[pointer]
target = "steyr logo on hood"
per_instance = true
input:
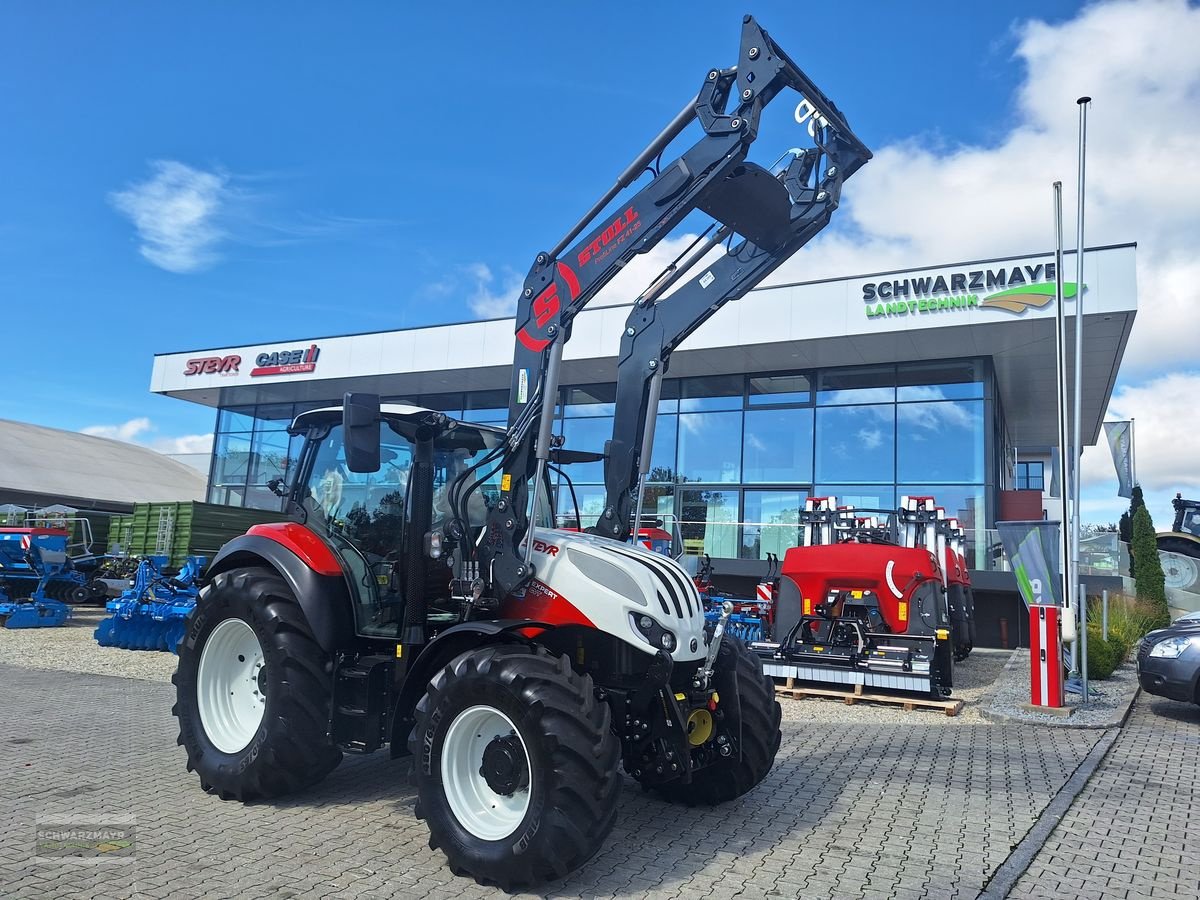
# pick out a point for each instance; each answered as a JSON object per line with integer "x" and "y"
{"x": 286, "y": 362}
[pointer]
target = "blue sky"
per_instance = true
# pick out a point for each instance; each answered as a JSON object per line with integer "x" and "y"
{"x": 366, "y": 166}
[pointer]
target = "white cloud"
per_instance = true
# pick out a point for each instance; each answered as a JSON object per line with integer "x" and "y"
{"x": 1166, "y": 439}
{"x": 1166, "y": 447}
{"x": 176, "y": 213}
{"x": 142, "y": 431}
{"x": 493, "y": 295}
{"x": 185, "y": 443}
{"x": 125, "y": 431}
{"x": 489, "y": 295}
{"x": 870, "y": 438}
{"x": 184, "y": 215}
{"x": 922, "y": 202}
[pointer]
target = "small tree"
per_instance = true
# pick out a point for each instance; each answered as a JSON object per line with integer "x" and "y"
{"x": 1149, "y": 580}
{"x": 1125, "y": 527}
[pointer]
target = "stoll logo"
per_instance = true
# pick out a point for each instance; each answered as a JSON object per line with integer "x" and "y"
{"x": 1013, "y": 290}
{"x": 286, "y": 362}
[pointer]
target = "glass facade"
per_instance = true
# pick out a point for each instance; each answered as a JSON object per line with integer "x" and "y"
{"x": 734, "y": 455}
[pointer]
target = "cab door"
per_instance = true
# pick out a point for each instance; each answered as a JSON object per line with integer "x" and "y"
{"x": 362, "y": 516}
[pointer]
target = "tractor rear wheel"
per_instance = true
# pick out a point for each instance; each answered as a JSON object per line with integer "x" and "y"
{"x": 1182, "y": 572}
{"x": 253, "y": 690}
{"x": 515, "y": 766}
{"x": 753, "y": 720}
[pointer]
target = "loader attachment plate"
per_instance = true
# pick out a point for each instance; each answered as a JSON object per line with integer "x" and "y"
{"x": 872, "y": 659}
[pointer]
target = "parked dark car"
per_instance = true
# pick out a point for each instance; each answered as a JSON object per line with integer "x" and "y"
{"x": 1168, "y": 661}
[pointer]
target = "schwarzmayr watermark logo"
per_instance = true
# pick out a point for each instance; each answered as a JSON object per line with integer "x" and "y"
{"x": 84, "y": 840}
{"x": 1013, "y": 290}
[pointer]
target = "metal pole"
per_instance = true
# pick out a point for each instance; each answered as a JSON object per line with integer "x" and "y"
{"x": 655, "y": 392}
{"x": 1077, "y": 445}
{"x": 1132, "y": 454}
{"x": 1060, "y": 354}
{"x": 1104, "y": 615}
{"x": 1083, "y": 666}
{"x": 545, "y": 429}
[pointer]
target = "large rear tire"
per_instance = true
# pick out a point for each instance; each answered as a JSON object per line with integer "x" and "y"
{"x": 253, "y": 690}
{"x": 515, "y": 766}
{"x": 755, "y": 716}
{"x": 1182, "y": 572}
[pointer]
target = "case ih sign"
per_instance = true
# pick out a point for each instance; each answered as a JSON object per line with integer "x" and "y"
{"x": 279, "y": 362}
{"x": 286, "y": 362}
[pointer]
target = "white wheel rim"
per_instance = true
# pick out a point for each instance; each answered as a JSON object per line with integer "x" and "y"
{"x": 228, "y": 695}
{"x": 483, "y": 812}
{"x": 1181, "y": 572}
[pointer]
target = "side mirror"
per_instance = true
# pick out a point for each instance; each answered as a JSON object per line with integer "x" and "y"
{"x": 360, "y": 427}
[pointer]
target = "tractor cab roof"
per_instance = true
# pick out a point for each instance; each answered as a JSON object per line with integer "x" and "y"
{"x": 405, "y": 419}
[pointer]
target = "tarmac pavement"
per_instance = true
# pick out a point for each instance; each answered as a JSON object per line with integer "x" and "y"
{"x": 850, "y": 810}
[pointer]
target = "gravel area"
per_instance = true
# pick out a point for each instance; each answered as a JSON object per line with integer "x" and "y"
{"x": 73, "y": 648}
{"x": 1108, "y": 704}
{"x": 972, "y": 680}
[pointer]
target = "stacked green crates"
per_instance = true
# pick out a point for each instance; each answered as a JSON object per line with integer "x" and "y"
{"x": 195, "y": 529}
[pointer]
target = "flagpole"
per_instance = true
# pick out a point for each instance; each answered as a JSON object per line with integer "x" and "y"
{"x": 1060, "y": 361}
{"x": 1077, "y": 449}
{"x": 1132, "y": 454}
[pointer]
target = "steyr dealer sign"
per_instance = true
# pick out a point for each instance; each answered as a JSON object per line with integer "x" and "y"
{"x": 1011, "y": 289}
{"x": 278, "y": 362}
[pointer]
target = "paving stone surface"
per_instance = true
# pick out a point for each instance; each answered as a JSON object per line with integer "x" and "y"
{"x": 850, "y": 810}
{"x": 1134, "y": 831}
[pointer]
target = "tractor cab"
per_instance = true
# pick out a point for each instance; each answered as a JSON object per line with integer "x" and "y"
{"x": 1187, "y": 516}
{"x": 388, "y": 527}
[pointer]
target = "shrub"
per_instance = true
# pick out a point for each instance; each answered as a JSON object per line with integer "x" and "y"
{"x": 1128, "y": 618}
{"x": 1103, "y": 656}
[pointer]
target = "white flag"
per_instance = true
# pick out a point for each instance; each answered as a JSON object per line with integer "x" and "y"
{"x": 1120, "y": 440}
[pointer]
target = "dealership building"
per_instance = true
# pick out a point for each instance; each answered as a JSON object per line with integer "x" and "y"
{"x": 930, "y": 381}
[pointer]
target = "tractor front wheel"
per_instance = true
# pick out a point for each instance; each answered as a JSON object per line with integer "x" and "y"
{"x": 515, "y": 766}
{"x": 751, "y": 715}
{"x": 253, "y": 690}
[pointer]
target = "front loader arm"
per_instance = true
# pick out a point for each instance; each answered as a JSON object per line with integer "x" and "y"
{"x": 787, "y": 212}
{"x": 564, "y": 279}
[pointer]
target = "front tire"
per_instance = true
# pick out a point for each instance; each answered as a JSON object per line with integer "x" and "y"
{"x": 515, "y": 766}
{"x": 755, "y": 716}
{"x": 253, "y": 690}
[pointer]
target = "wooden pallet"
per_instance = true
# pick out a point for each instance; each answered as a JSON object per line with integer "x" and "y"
{"x": 850, "y": 697}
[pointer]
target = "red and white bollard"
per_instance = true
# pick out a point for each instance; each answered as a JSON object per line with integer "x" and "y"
{"x": 1045, "y": 650}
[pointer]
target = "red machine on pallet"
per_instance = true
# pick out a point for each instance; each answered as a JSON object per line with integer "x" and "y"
{"x": 959, "y": 593}
{"x": 863, "y": 602}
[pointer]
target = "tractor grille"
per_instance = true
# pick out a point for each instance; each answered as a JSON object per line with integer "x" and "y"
{"x": 676, "y": 594}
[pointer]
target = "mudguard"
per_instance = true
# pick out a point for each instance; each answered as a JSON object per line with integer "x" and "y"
{"x": 325, "y": 599}
{"x": 446, "y": 646}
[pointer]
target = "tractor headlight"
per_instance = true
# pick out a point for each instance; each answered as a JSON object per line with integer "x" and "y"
{"x": 1172, "y": 648}
{"x": 653, "y": 633}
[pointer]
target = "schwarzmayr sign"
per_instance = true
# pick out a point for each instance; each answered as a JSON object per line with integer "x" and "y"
{"x": 1013, "y": 289}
